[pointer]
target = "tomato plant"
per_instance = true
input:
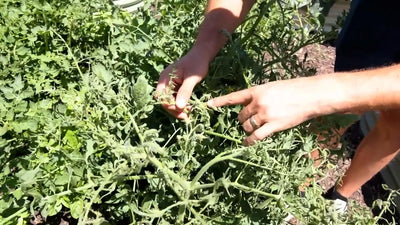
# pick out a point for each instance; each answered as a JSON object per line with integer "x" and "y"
{"x": 81, "y": 133}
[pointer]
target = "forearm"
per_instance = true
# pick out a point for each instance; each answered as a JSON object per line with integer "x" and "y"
{"x": 377, "y": 89}
{"x": 220, "y": 15}
{"x": 378, "y": 148}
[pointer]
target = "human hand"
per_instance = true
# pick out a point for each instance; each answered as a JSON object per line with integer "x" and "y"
{"x": 185, "y": 73}
{"x": 274, "y": 107}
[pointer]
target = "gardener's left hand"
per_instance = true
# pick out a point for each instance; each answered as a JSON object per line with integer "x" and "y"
{"x": 275, "y": 106}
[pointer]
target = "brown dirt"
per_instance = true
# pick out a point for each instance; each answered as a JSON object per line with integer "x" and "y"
{"x": 321, "y": 57}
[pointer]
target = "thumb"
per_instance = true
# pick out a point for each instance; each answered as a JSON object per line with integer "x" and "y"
{"x": 185, "y": 91}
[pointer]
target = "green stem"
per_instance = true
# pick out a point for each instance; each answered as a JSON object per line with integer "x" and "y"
{"x": 181, "y": 215}
{"x": 151, "y": 40}
{"x": 264, "y": 8}
{"x": 4, "y": 221}
{"x": 249, "y": 189}
{"x": 79, "y": 189}
{"x": 93, "y": 197}
{"x": 46, "y": 36}
{"x": 141, "y": 177}
{"x": 222, "y": 136}
{"x": 136, "y": 127}
{"x": 88, "y": 186}
{"x": 203, "y": 186}
{"x": 254, "y": 165}
{"x": 216, "y": 160}
{"x": 168, "y": 172}
{"x": 70, "y": 52}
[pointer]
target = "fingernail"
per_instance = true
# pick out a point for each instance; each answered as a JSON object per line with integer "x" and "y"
{"x": 210, "y": 103}
{"x": 180, "y": 103}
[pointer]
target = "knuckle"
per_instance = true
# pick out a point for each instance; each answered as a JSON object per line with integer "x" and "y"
{"x": 257, "y": 136}
{"x": 240, "y": 118}
{"x": 229, "y": 99}
{"x": 247, "y": 127}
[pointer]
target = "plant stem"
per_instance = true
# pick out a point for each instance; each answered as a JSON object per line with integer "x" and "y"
{"x": 135, "y": 126}
{"x": 168, "y": 172}
{"x": 70, "y": 52}
{"x": 141, "y": 177}
{"x": 4, "y": 221}
{"x": 254, "y": 165}
{"x": 222, "y": 136}
{"x": 203, "y": 186}
{"x": 264, "y": 8}
{"x": 82, "y": 188}
{"x": 249, "y": 189}
{"x": 216, "y": 160}
{"x": 88, "y": 186}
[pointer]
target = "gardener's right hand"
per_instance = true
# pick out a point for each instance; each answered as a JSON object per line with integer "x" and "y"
{"x": 185, "y": 74}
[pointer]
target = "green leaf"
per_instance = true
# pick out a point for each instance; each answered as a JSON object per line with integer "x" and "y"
{"x": 3, "y": 129}
{"x": 62, "y": 179}
{"x": 28, "y": 176}
{"x": 71, "y": 139}
{"x": 142, "y": 92}
{"x": 100, "y": 71}
{"x": 76, "y": 208}
{"x": 26, "y": 124}
{"x": 18, "y": 194}
{"x": 89, "y": 150}
{"x": 21, "y": 107}
{"x": 18, "y": 84}
{"x": 8, "y": 92}
{"x": 3, "y": 60}
{"x": 22, "y": 51}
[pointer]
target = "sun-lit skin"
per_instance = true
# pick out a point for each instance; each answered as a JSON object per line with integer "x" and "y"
{"x": 193, "y": 67}
{"x": 281, "y": 105}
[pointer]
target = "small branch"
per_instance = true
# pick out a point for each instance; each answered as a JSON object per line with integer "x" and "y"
{"x": 222, "y": 136}
{"x": 5, "y": 220}
{"x": 256, "y": 191}
{"x": 216, "y": 160}
{"x": 70, "y": 52}
{"x": 136, "y": 127}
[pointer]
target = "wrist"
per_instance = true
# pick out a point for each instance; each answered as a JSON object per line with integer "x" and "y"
{"x": 204, "y": 52}
{"x": 210, "y": 40}
{"x": 331, "y": 95}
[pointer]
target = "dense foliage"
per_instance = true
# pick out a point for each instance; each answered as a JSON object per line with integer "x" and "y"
{"x": 81, "y": 133}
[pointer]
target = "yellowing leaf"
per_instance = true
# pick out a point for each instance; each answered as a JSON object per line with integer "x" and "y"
{"x": 71, "y": 139}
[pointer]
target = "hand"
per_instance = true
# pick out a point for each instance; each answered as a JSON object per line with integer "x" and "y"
{"x": 275, "y": 106}
{"x": 186, "y": 73}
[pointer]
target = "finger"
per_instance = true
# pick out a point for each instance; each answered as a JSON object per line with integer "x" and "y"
{"x": 246, "y": 113}
{"x": 163, "y": 81}
{"x": 242, "y": 97}
{"x": 182, "y": 116}
{"x": 185, "y": 91}
{"x": 262, "y": 132}
{"x": 249, "y": 128}
{"x": 179, "y": 114}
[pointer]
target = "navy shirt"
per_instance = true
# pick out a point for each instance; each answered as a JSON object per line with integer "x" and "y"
{"x": 370, "y": 37}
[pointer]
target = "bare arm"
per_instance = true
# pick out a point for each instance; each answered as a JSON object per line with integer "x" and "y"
{"x": 280, "y": 105}
{"x": 377, "y": 89}
{"x": 220, "y": 15}
{"x": 193, "y": 67}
